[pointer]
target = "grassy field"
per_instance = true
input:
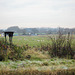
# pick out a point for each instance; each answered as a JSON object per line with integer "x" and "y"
{"x": 30, "y": 40}
{"x": 40, "y": 62}
{"x": 33, "y": 40}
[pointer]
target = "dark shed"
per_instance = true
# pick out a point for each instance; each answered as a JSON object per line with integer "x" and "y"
{"x": 10, "y": 34}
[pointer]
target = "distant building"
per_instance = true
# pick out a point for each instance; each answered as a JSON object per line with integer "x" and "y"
{"x": 16, "y": 34}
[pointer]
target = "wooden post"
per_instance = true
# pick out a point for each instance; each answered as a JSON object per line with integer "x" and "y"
{"x": 10, "y": 37}
{"x": 5, "y": 37}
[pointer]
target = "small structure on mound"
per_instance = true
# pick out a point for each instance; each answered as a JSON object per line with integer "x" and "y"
{"x": 10, "y": 34}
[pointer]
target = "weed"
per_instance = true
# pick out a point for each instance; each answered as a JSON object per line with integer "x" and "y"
{"x": 63, "y": 62}
{"x": 45, "y": 64}
{"x": 52, "y": 59}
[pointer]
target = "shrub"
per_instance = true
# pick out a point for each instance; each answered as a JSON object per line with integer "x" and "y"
{"x": 45, "y": 47}
{"x": 3, "y": 50}
{"x": 12, "y": 52}
{"x": 61, "y": 46}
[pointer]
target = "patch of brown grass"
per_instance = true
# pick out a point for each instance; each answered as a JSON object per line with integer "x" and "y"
{"x": 31, "y": 71}
{"x": 36, "y": 54}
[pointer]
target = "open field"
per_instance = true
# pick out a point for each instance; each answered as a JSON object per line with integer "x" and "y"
{"x": 34, "y": 40}
{"x": 30, "y": 40}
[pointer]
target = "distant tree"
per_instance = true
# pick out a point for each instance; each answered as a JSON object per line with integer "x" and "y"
{"x": 1, "y": 31}
{"x": 34, "y": 30}
{"x": 24, "y": 31}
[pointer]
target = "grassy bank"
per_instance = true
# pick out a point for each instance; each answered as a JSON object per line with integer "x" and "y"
{"x": 39, "y": 63}
{"x": 36, "y": 72}
{"x": 53, "y": 66}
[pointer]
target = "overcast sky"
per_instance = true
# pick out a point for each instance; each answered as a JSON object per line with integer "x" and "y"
{"x": 37, "y": 13}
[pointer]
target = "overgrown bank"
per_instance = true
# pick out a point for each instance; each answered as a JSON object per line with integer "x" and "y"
{"x": 36, "y": 72}
{"x": 25, "y": 60}
{"x": 52, "y": 66}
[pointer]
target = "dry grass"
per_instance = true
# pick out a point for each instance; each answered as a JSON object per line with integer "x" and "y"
{"x": 36, "y": 54}
{"x": 51, "y": 66}
{"x": 32, "y": 71}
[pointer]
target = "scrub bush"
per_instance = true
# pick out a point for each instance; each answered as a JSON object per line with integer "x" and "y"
{"x": 61, "y": 46}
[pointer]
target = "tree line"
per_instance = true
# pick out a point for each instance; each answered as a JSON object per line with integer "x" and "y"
{"x": 39, "y": 31}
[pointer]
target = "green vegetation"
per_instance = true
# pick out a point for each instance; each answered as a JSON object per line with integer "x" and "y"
{"x": 38, "y": 67}
{"x": 61, "y": 46}
{"x": 30, "y": 40}
{"x": 31, "y": 55}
